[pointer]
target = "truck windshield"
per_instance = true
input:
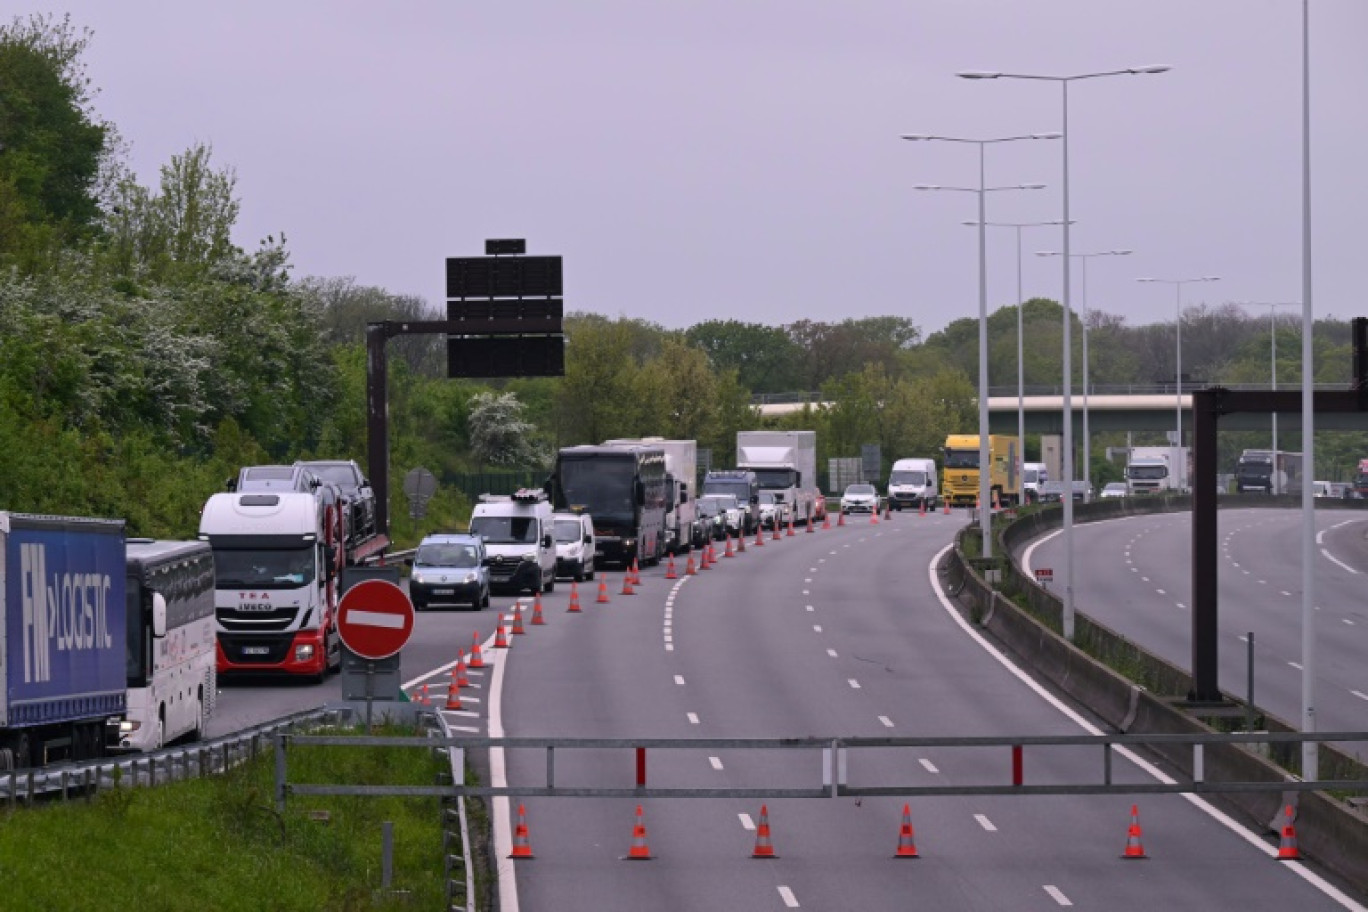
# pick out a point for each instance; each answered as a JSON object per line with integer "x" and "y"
{"x": 1030, "y": 476}
{"x": 961, "y": 459}
{"x": 568, "y": 530}
{"x": 907, "y": 478}
{"x": 604, "y": 488}
{"x": 283, "y": 569}
{"x": 447, "y": 554}
{"x": 1148, "y": 472}
{"x": 739, "y": 488}
{"x": 505, "y": 530}
{"x": 776, "y": 478}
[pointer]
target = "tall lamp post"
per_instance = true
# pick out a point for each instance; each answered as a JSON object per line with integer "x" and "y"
{"x": 985, "y": 488}
{"x": 1273, "y": 361}
{"x": 1068, "y": 614}
{"x": 1021, "y": 302}
{"x": 1083, "y": 261}
{"x": 1178, "y": 374}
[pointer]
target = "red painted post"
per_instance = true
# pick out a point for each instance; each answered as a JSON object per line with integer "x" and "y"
{"x": 1016, "y": 764}
{"x": 641, "y": 767}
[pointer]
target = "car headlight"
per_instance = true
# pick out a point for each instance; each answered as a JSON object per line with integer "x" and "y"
{"x": 419, "y": 579}
{"x": 530, "y": 556}
{"x": 472, "y": 577}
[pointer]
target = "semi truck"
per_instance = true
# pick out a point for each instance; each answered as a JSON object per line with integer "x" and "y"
{"x": 63, "y": 687}
{"x": 278, "y": 561}
{"x": 683, "y": 531}
{"x": 1269, "y": 472}
{"x": 784, "y": 463}
{"x": 960, "y": 469}
{"x": 1156, "y": 469}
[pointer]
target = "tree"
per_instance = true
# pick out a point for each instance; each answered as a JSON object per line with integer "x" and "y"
{"x": 498, "y": 434}
{"x": 765, "y": 358}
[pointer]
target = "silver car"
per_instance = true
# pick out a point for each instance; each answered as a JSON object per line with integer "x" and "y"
{"x": 860, "y": 498}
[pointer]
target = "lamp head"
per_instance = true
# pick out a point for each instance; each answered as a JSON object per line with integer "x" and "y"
{"x": 978, "y": 74}
{"x": 1154, "y": 68}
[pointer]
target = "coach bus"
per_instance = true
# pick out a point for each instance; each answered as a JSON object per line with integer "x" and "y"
{"x": 624, "y": 489}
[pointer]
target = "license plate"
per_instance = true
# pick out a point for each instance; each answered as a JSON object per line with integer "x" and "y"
{"x": 443, "y": 591}
{"x": 256, "y": 650}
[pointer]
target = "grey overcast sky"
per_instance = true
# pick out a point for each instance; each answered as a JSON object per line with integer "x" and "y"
{"x": 742, "y": 159}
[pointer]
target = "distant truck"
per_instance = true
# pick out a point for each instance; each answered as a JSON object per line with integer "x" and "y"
{"x": 1269, "y": 472}
{"x": 63, "y": 601}
{"x": 912, "y": 484}
{"x": 960, "y": 481}
{"x": 1156, "y": 469}
{"x": 784, "y": 463}
{"x": 1033, "y": 475}
{"x": 744, "y": 486}
{"x": 278, "y": 560}
{"x": 683, "y": 531}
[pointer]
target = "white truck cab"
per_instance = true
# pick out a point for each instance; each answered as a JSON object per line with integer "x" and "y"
{"x": 911, "y": 483}
{"x": 517, "y": 531}
{"x": 1033, "y": 475}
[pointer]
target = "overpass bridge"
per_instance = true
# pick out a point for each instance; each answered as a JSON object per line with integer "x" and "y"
{"x": 1131, "y": 408}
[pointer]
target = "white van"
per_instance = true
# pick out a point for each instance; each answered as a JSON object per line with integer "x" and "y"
{"x": 517, "y": 531}
{"x": 574, "y": 545}
{"x": 911, "y": 483}
{"x": 1033, "y": 475}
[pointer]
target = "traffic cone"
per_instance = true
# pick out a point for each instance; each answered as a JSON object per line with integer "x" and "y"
{"x": 521, "y": 847}
{"x": 636, "y": 574}
{"x": 729, "y": 552}
{"x": 453, "y": 700}
{"x": 703, "y": 562}
{"x": 537, "y": 619}
{"x": 461, "y": 679}
{"x": 874, "y": 517}
{"x": 517, "y": 619}
{"x": 603, "y": 591}
{"x": 1287, "y": 844}
{"x": 947, "y": 506}
{"x": 841, "y": 521}
{"x": 423, "y": 698}
{"x": 759, "y": 536}
{"x": 826, "y": 520}
{"x": 763, "y": 848}
{"x": 811, "y": 524}
{"x": 689, "y": 567}
{"x": 639, "y": 850}
{"x": 777, "y": 532}
{"x": 740, "y": 543}
{"x": 500, "y": 641}
{"x": 574, "y": 600}
{"x": 790, "y": 531}
{"x": 627, "y": 584}
{"x": 922, "y": 511}
{"x": 907, "y": 848}
{"x": 670, "y": 569}
{"x": 476, "y": 660}
{"x": 1134, "y": 848}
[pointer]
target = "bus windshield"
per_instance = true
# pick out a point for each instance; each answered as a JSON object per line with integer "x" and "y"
{"x": 604, "y": 488}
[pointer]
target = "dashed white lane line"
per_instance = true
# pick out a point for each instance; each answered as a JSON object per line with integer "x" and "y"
{"x": 985, "y": 822}
{"x": 716, "y": 762}
{"x": 832, "y": 653}
{"x": 817, "y": 628}
{"x": 1057, "y": 895}
{"x": 746, "y": 822}
{"x": 1295, "y": 665}
{"x": 1161, "y": 591}
{"x": 1360, "y": 694}
{"x": 693, "y": 718}
{"x": 809, "y": 608}
{"x": 787, "y": 896}
{"x": 887, "y": 722}
{"x": 928, "y": 765}
{"x": 1285, "y": 592}
{"x": 854, "y": 684}
{"x": 679, "y": 679}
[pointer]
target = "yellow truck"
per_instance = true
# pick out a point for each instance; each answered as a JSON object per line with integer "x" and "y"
{"x": 960, "y": 470}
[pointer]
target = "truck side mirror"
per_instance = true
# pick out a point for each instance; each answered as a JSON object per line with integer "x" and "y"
{"x": 546, "y": 540}
{"x": 158, "y": 615}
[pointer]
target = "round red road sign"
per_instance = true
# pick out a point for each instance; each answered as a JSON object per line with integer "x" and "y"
{"x": 375, "y": 619}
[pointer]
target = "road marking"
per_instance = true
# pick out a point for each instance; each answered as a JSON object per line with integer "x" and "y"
{"x": 746, "y": 822}
{"x": 1285, "y": 592}
{"x": 374, "y": 619}
{"x": 807, "y": 592}
{"x": 716, "y": 762}
{"x": 810, "y": 608}
{"x": 1347, "y": 621}
{"x": 1058, "y": 895}
{"x": 887, "y": 722}
{"x": 812, "y": 569}
{"x": 1181, "y": 605}
{"x": 1161, "y": 591}
{"x": 1295, "y": 665}
{"x": 854, "y": 684}
{"x": 807, "y": 579}
{"x": 787, "y": 896}
{"x": 928, "y": 765}
{"x": 832, "y": 653}
{"x": 469, "y": 729}
{"x": 985, "y": 822}
{"x": 1339, "y": 563}
{"x": 679, "y": 679}
{"x": 817, "y": 628}
{"x": 693, "y": 718}
{"x": 1360, "y": 694}
{"x": 1263, "y": 582}
{"x": 462, "y": 712}
{"x": 1144, "y": 579}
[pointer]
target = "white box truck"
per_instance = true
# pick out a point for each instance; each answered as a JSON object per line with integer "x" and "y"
{"x": 785, "y": 463}
{"x": 1156, "y": 469}
{"x": 682, "y": 529}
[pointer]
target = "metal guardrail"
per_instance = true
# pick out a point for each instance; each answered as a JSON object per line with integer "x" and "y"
{"x": 833, "y": 753}
{"x": 1046, "y": 389}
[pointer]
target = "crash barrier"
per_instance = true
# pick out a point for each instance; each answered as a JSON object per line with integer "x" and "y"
{"x": 1151, "y": 695}
{"x": 63, "y": 781}
{"x": 831, "y": 763}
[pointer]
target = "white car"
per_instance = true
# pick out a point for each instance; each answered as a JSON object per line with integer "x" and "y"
{"x": 574, "y": 533}
{"x": 772, "y": 510}
{"x": 1114, "y": 489}
{"x": 723, "y": 514}
{"x": 860, "y": 498}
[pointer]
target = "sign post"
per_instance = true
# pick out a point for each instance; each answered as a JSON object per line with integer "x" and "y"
{"x": 1044, "y": 575}
{"x": 374, "y": 621}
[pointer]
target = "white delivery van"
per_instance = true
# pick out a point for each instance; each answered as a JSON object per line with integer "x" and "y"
{"x": 519, "y": 547}
{"x": 1033, "y": 475}
{"x": 911, "y": 483}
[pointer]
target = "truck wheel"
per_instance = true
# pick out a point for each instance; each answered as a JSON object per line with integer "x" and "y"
{"x": 550, "y": 584}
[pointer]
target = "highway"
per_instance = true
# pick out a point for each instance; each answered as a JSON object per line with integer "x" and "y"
{"x": 1134, "y": 575}
{"x": 836, "y": 632}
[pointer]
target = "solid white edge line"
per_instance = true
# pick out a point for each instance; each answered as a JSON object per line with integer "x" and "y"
{"x": 498, "y": 777}
{"x": 1196, "y": 801}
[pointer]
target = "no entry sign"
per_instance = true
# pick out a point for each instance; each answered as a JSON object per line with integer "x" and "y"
{"x": 375, "y": 619}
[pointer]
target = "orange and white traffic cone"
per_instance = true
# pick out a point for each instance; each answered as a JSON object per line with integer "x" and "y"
{"x": 1134, "y": 847}
{"x": 574, "y": 600}
{"x": 521, "y": 847}
{"x": 790, "y": 528}
{"x": 453, "y": 700}
{"x": 922, "y": 511}
{"x": 759, "y": 536}
{"x": 500, "y": 641}
{"x": 476, "y": 659}
{"x": 947, "y": 506}
{"x": 840, "y": 523}
{"x": 729, "y": 552}
{"x": 874, "y": 516}
{"x": 517, "y": 619}
{"x": 763, "y": 847}
{"x": 423, "y": 698}
{"x": 670, "y": 569}
{"x": 689, "y": 569}
{"x": 461, "y": 679}
{"x": 777, "y": 531}
{"x": 639, "y": 850}
{"x": 907, "y": 847}
{"x": 537, "y": 619}
{"x": 636, "y": 574}
{"x": 1287, "y": 841}
{"x": 627, "y": 584}
{"x": 603, "y": 591}
{"x": 826, "y": 520}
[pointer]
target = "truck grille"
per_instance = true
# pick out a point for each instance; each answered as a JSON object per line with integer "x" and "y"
{"x": 275, "y": 620}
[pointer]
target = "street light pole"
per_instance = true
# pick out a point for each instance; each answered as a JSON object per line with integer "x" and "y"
{"x": 1021, "y": 306}
{"x": 1178, "y": 376}
{"x": 985, "y": 486}
{"x": 1083, "y": 261}
{"x": 1068, "y": 614}
{"x": 1273, "y": 363}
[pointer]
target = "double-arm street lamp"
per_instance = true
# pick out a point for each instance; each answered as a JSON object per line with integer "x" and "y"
{"x": 1063, "y": 81}
{"x": 1021, "y": 306}
{"x": 1178, "y": 374}
{"x": 985, "y": 488}
{"x": 1083, "y": 261}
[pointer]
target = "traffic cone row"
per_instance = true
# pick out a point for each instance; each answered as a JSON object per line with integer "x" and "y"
{"x": 453, "y": 700}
